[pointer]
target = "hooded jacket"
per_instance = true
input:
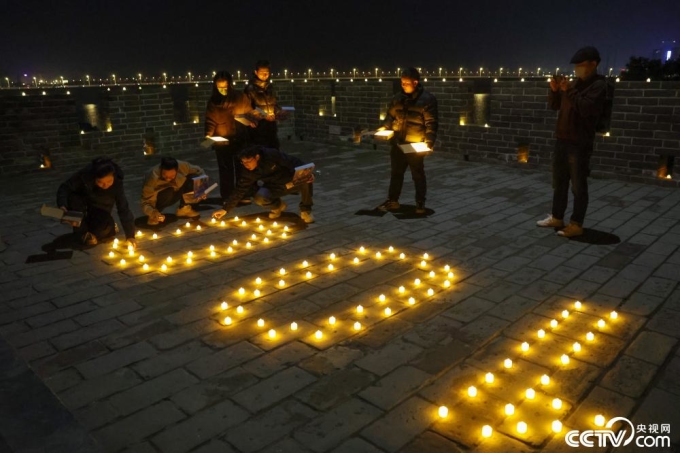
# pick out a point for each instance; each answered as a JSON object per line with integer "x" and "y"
{"x": 82, "y": 183}
{"x": 413, "y": 117}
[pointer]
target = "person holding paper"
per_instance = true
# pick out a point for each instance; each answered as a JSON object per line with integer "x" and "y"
{"x": 413, "y": 117}
{"x": 276, "y": 170}
{"x": 165, "y": 184}
{"x": 94, "y": 190}
{"x": 261, "y": 94}
{"x": 228, "y": 115}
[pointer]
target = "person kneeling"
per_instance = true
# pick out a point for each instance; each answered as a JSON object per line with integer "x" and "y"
{"x": 165, "y": 184}
{"x": 275, "y": 169}
{"x": 94, "y": 190}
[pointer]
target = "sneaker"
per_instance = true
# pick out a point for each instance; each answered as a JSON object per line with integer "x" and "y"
{"x": 187, "y": 211}
{"x": 307, "y": 216}
{"x": 276, "y": 212}
{"x": 571, "y": 230}
{"x": 420, "y": 207}
{"x": 389, "y": 205}
{"x": 89, "y": 239}
{"x": 550, "y": 222}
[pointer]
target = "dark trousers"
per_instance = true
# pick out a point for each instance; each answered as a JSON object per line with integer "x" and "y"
{"x": 169, "y": 196}
{"x": 570, "y": 164}
{"x": 400, "y": 162}
{"x": 96, "y": 221}
{"x": 228, "y": 166}
{"x": 270, "y": 196}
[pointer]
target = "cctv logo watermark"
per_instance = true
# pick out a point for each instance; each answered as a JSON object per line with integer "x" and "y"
{"x": 647, "y": 435}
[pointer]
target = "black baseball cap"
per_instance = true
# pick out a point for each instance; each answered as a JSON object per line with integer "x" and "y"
{"x": 588, "y": 53}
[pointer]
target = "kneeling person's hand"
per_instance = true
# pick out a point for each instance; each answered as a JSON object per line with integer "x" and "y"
{"x": 219, "y": 214}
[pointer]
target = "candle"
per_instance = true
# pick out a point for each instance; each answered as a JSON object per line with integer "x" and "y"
{"x": 447, "y": 268}
{"x": 284, "y": 235}
{"x": 447, "y": 283}
{"x": 487, "y": 431}
{"x": 261, "y": 227}
{"x": 388, "y": 311}
{"x": 253, "y": 236}
{"x": 331, "y": 320}
{"x": 115, "y": 241}
{"x": 189, "y": 260}
{"x": 266, "y": 240}
{"x": 145, "y": 267}
{"x": 601, "y": 324}
{"x": 242, "y": 291}
{"x": 213, "y": 220}
{"x": 234, "y": 242}
{"x": 330, "y": 267}
{"x": 260, "y": 322}
{"x": 229, "y": 249}
{"x": 530, "y": 394}
{"x": 378, "y": 254}
{"x": 111, "y": 254}
{"x": 357, "y": 325}
{"x": 489, "y": 378}
{"x": 282, "y": 271}
{"x": 557, "y": 404}
{"x": 198, "y": 227}
{"x": 258, "y": 281}
{"x": 577, "y": 347}
{"x": 272, "y": 333}
{"x": 565, "y": 359}
{"x": 178, "y": 231}
{"x": 227, "y": 321}
{"x": 545, "y": 379}
{"x": 541, "y": 333}
{"x": 402, "y": 289}
{"x": 332, "y": 256}
{"x": 285, "y": 228}
{"x": 430, "y": 292}
{"x": 282, "y": 283}
{"x": 223, "y": 223}
{"x": 507, "y": 363}
{"x": 224, "y": 305}
{"x": 450, "y": 275}
{"x": 578, "y": 305}
{"x": 599, "y": 420}
{"x": 472, "y": 391}
{"x": 362, "y": 249}
{"x": 275, "y": 224}
{"x": 416, "y": 281}
{"x": 115, "y": 245}
{"x": 590, "y": 336}
{"x": 360, "y": 309}
{"x": 308, "y": 274}
{"x": 248, "y": 245}
{"x": 521, "y": 427}
{"x": 565, "y": 314}
{"x": 257, "y": 293}
{"x": 525, "y": 346}
{"x": 164, "y": 267}
{"x": 236, "y": 218}
{"x": 425, "y": 256}
{"x": 356, "y": 260}
{"x": 187, "y": 224}
{"x": 509, "y": 409}
{"x": 243, "y": 223}
{"x": 553, "y": 323}
{"x": 269, "y": 232}
{"x": 293, "y": 326}
{"x": 557, "y": 426}
{"x": 402, "y": 256}
{"x": 122, "y": 262}
{"x": 190, "y": 254}
{"x": 613, "y": 315}
{"x": 154, "y": 236}
{"x": 423, "y": 263}
{"x": 258, "y": 220}
{"x": 305, "y": 264}
{"x": 391, "y": 249}
{"x": 212, "y": 248}
{"x": 411, "y": 301}
{"x": 443, "y": 411}
{"x": 318, "y": 334}
{"x": 139, "y": 233}
{"x": 432, "y": 274}
{"x": 381, "y": 298}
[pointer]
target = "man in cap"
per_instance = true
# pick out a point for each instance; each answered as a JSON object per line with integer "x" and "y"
{"x": 580, "y": 104}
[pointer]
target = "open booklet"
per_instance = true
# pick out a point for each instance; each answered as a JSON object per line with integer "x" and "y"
{"x": 201, "y": 189}
{"x": 68, "y": 216}
{"x": 383, "y": 135}
{"x": 208, "y": 142}
{"x": 303, "y": 173}
{"x": 420, "y": 147}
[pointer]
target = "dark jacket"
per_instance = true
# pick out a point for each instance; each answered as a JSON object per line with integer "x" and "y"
{"x": 220, "y": 115}
{"x": 413, "y": 117}
{"x": 261, "y": 95}
{"x": 82, "y": 183}
{"x": 275, "y": 168}
{"x": 580, "y": 108}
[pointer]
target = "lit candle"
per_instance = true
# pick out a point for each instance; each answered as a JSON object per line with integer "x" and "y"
{"x": 509, "y": 409}
{"x": 356, "y": 260}
{"x": 330, "y": 267}
{"x": 224, "y": 305}
{"x": 599, "y": 420}
{"x": 590, "y": 336}
{"x": 164, "y": 267}
{"x": 402, "y": 256}
{"x": 145, "y": 267}
{"x": 402, "y": 289}
{"x": 391, "y": 249}
{"x": 578, "y": 305}
{"x": 115, "y": 241}
{"x": 257, "y": 293}
{"x": 234, "y": 242}
{"x": 487, "y": 431}
{"x": 411, "y": 301}
{"x": 489, "y": 378}
{"x": 450, "y": 275}
{"x": 545, "y": 379}
{"x": 525, "y": 346}
{"x": 253, "y": 236}
{"x": 378, "y": 254}
{"x": 360, "y": 309}
{"x": 423, "y": 263}
{"x": 275, "y": 224}
{"x": 577, "y": 347}
{"x": 447, "y": 268}
{"x": 187, "y": 224}
{"x": 601, "y": 324}
{"x": 472, "y": 391}
{"x": 362, "y": 249}
{"x": 229, "y": 249}
{"x": 285, "y": 228}
{"x": 190, "y": 254}
{"x": 189, "y": 260}
{"x": 284, "y": 235}
{"x": 565, "y": 314}
{"x": 212, "y": 248}
{"x": 557, "y": 426}
{"x": 122, "y": 262}
{"x": 178, "y": 231}
{"x": 357, "y": 325}
{"x": 430, "y": 292}
{"x": 507, "y": 363}
{"x": 236, "y": 218}
{"x": 139, "y": 233}
{"x": 388, "y": 311}
{"x": 111, "y": 254}
{"x": 416, "y": 281}
{"x": 248, "y": 245}
{"x": 521, "y": 427}
{"x": 258, "y": 281}
{"x": 305, "y": 264}
{"x": 293, "y": 326}
{"x": 318, "y": 334}
{"x": 381, "y": 298}
{"x": 447, "y": 283}
{"x": 557, "y": 404}
{"x": 243, "y": 223}
{"x": 541, "y": 333}
{"x": 227, "y": 321}
{"x": 553, "y": 323}
{"x": 282, "y": 283}
{"x": 331, "y": 320}
{"x": 272, "y": 333}
{"x": 169, "y": 259}
{"x": 613, "y": 315}
{"x": 432, "y": 274}
{"x": 425, "y": 256}
{"x": 213, "y": 220}
{"x": 261, "y": 227}
{"x": 198, "y": 227}
{"x": 530, "y": 394}
{"x": 443, "y": 411}
{"x": 223, "y": 223}
{"x": 260, "y": 322}
{"x": 564, "y": 359}
{"x": 269, "y": 232}
{"x": 332, "y": 256}
{"x": 154, "y": 236}
{"x": 266, "y": 240}
{"x": 242, "y": 291}
{"x": 282, "y": 271}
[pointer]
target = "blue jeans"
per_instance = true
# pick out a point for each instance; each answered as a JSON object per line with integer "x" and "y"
{"x": 570, "y": 164}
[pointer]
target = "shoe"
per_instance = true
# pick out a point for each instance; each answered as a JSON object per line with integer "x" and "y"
{"x": 420, "y": 207}
{"x": 550, "y": 222}
{"x": 307, "y": 216}
{"x": 276, "y": 212}
{"x": 571, "y": 230}
{"x": 89, "y": 239}
{"x": 389, "y": 205}
{"x": 187, "y": 211}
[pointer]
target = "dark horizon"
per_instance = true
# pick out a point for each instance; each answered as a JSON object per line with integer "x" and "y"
{"x": 75, "y": 38}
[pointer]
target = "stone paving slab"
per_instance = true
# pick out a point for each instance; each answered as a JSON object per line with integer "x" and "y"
{"x": 145, "y": 362}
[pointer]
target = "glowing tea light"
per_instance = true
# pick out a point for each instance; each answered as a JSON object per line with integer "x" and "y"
{"x": 388, "y": 311}
{"x": 577, "y": 347}
{"x": 198, "y": 227}
{"x": 599, "y": 420}
{"x": 356, "y": 260}
{"x": 141, "y": 258}
{"x": 213, "y": 220}
{"x": 545, "y": 379}
{"x": 557, "y": 426}
{"x": 522, "y": 427}
{"x": 590, "y": 336}
{"x": 541, "y": 333}
{"x": 564, "y": 359}
{"x": 331, "y": 320}
{"x": 261, "y": 227}
{"x": 430, "y": 292}
{"x": 402, "y": 289}
{"x": 115, "y": 241}
{"x": 139, "y": 233}
{"x": 402, "y": 256}
{"x": 489, "y": 378}
{"x": 260, "y": 322}
{"x": 447, "y": 283}
{"x": 253, "y": 236}
{"x": 557, "y": 404}
{"x": 212, "y": 248}
{"x": 381, "y": 298}
{"x": 190, "y": 254}
{"x": 178, "y": 231}
{"x": 275, "y": 224}
{"x": 411, "y": 301}
{"x": 472, "y": 391}
{"x": 224, "y": 305}
{"x": 248, "y": 245}
{"x": 391, "y": 249}
{"x": 293, "y": 326}
{"x": 235, "y": 218}
{"x": 601, "y": 324}
{"x": 164, "y": 267}
{"x": 239, "y": 309}
{"x": 357, "y": 325}
{"x": 578, "y": 305}
{"x": 266, "y": 240}
{"x": 282, "y": 271}
{"x": 432, "y": 274}
{"x": 272, "y": 333}
{"x": 256, "y": 293}
{"x": 318, "y": 335}
{"x": 565, "y": 314}
{"x": 332, "y": 256}
{"x": 282, "y": 283}
{"x": 308, "y": 274}
{"x": 509, "y": 409}
{"x": 305, "y": 264}
{"x": 169, "y": 259}
{"x": 284, "y": 235}
{"x": 244, "y": 223}
{"x": 285, "y": 228}
{"x": 227, "y": 321}
{"x": 258, "y": 281}
{"x": 223, "y": 223}
{"x": 416, "y": 281}
{"x": 269, "y": 232}
{"x": 553, "y": 323}
{"x": 122, "y": 262}
{"x": 257, "y": 220}
{"x": 330, "y": 267}
{"x": 443, "y": 411}
{"x": 613, "y": 315}
{"x": 145, "y": 267}
{"x": 111, "y": 254}
{"x": 188, "y": 225}
{"x": 234, "y": 242}
{"x": 189, "y": 261}
{"x": 154, "y": 236}
{"x": 229, "y": 249}
{"x": 242, "y": 291}
{"x": 423, "y": 263}
{"x": 426, "y": 256}
{"x": 447, "y": 268}
{"x": 525, "y": 346}
{"x": 360, "y": 309}
{"x": 378, "y": 254}
{"x": 530, "y": 394}
{"x": 507, "y": 363}
{"x": 450, "y": 275}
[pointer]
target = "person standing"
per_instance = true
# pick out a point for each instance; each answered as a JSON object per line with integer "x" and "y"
{"x": 228, "y": 115}
{"x": 580, "y": 104}
{"x": 261, "y": 94}
{"x": 414, "y": 118}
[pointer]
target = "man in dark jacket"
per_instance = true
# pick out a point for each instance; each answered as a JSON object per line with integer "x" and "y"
{"x": 261, "y": 94}
{"x": 413, "y": 117}
{"x": 94, "y": 190}
{"x": 580, "y": 104}
{"x": 275, "y": 170}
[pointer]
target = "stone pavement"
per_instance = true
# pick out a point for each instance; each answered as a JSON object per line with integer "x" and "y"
{"x": 144, "y": 360}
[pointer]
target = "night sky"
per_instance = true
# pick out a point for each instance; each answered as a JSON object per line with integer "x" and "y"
{"x": 97, "y": 37}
